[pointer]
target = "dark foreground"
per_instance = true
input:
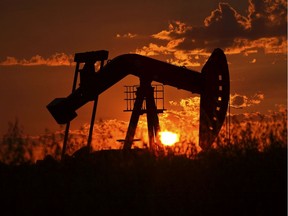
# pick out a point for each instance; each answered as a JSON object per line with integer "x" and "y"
{"x": 110, "y": 183}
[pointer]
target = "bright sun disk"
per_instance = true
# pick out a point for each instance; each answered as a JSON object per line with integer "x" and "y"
{"x": 168, "y": 138}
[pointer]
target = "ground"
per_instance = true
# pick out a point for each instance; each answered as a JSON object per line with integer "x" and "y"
{"x": 113, "y": 183}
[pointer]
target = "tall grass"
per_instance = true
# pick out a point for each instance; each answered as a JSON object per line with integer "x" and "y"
{"x": 248, "y": 132}
{"x": 255, "y": 132}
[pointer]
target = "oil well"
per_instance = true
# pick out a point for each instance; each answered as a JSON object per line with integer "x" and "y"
{"x": 212, "y": 84}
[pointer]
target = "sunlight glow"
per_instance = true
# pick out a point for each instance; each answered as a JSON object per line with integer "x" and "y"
{"x": 168, "y": 138}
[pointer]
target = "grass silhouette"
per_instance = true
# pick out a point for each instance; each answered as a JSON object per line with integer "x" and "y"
{"x": 111, "y": 182}
{"x": 246, "y": 176}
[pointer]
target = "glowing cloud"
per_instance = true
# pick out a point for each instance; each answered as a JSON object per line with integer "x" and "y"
{"x": 174, "y": 28}
{"x": 128, "y": 35}
{"x": 225, "y": 13}
{"x": 58, "y": 59}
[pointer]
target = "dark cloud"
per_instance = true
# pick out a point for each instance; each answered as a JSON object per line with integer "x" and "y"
{"x": 242, "y": 101}
{"x": 265, "y": 19}
{"x": 263, "y": 27}
{"x": 269, "y": 18}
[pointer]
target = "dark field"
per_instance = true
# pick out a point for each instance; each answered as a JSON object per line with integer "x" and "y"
{"x": 111, "y": 183}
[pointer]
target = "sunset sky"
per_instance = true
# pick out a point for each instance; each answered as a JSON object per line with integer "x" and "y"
{"x": 39, "y": 39}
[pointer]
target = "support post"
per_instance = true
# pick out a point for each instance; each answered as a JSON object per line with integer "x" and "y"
{"x": 152, "y": 120}
{"x": 92, "y": 124}
{"x": 66, "y": 134}
{"x": 134, "y": 119}
{"x": 89, "y": 141}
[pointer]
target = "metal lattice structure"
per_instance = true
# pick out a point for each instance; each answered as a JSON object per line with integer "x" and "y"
{"x": 130, "y": 97}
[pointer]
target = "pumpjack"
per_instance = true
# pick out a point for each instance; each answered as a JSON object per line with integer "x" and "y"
{"x": 212, "y": 83}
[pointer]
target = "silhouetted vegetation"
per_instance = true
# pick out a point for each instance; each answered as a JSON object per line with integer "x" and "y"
{"x": 16, "y": 148}
{"x": 112, "y": 182}
{"x": 245, "y": 176}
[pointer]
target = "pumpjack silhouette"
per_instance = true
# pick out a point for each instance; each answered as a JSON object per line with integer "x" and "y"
{"x": 212, "y": 83}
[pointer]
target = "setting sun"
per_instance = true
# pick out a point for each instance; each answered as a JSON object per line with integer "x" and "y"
{"x": 168, "y": 138}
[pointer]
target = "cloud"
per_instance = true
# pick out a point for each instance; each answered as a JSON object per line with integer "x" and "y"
{"x": 190, "y": 106}
{"x": 242, "y": 101}
{"x": 172, "y": 38}
{"x": 261, "y": 29}
{"x": 9, "y": 61}
{"x": 225, "y": 15}
{"x": 128, "y": 35}
{"x": 58, "y": 59}
{"x": 175, "y": 27}
{"x": 271, "y": 45}
{"x": 183, "y": 58}
{"x": 226, "y": 28}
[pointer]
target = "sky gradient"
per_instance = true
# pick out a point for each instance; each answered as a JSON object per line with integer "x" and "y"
{"x": 39, "y": 39}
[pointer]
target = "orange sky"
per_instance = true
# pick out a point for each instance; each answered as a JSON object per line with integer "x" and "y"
{"x": 39, "y": 40}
